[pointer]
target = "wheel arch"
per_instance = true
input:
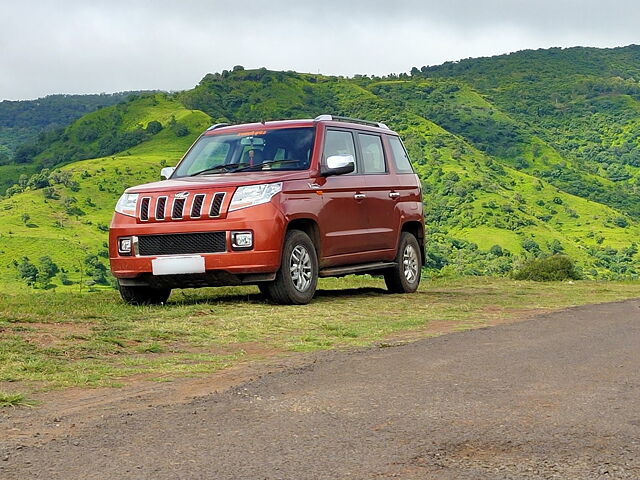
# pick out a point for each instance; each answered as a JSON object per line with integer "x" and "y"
{"x": 311, "y": 228}
{"x": 416, "y": 228}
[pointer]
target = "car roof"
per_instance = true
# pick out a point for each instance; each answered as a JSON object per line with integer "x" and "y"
{"x": 340, "y": 122}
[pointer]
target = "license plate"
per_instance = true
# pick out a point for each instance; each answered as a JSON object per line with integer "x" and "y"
{"x": 178, "y": 265}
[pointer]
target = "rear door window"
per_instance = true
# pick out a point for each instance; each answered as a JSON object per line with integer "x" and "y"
{"x": 372, "y": 153}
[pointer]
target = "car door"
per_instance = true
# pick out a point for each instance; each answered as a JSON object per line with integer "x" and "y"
{"x": 343, "y": 220}
{"x": 380, "y": 191}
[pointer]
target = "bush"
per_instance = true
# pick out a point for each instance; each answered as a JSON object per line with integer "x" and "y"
{"x": 548, "y": 269}
{"x": 27, "y": 271}
{"x": 620, "y": 222}
{"x": 154, "y": 127}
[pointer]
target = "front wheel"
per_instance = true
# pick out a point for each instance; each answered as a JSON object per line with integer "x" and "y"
{"x": 405, "y": 276}
{"x": 297, "y": 279}
{"x": 144, "y": 295}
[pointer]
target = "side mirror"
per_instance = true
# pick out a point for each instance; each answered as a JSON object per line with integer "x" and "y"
{"x": 338, "y": 165}
{"x": 166, "y": 172}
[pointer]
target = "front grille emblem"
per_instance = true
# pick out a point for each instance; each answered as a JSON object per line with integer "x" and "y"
{"x": 182, "y": 194}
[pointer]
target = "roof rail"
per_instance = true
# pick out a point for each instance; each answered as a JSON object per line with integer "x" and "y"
{"x": 336, "y": 118}
{"x": 218, "y": 125}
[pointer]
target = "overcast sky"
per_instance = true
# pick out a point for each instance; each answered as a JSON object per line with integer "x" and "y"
{"x": 93, "y": 46}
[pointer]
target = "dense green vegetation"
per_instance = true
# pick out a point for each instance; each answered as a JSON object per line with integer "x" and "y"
{"x": 25, "y": 124}
{"x": 521, "y": 156}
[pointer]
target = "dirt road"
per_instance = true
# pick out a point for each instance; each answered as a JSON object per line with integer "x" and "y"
{"x": 553, "y": 397}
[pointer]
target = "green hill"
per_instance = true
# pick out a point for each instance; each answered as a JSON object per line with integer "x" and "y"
{"x": 520, "y": 156}
{"x": 26, "y": 123}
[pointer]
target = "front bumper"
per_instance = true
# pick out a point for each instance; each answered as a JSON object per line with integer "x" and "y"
{"x": 224, "y": 268}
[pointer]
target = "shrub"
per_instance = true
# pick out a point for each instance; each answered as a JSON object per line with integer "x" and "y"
{"x": 48, "y": 269}
{"x": 27, "y": 271}
{"x": 154, "y": 127}
{"x": 50, "y": 193}
{"x": 95, "y": 270}
{"x": 531, "y": 246}
{"x": 548, "y": 269}
{"x": 620, "y": 222}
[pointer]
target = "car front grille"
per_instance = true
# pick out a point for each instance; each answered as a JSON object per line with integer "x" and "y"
{"x": 182, "y": 243}
{"x": 195, "y": 206}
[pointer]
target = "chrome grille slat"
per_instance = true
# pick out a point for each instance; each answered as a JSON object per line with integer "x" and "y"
{"x": 196, "y": 208}
{"x": 144, "y": 209}
{"x": 178, "y": 208}
{"x": 216, "y": 204}
{"x": 161, "y": 204}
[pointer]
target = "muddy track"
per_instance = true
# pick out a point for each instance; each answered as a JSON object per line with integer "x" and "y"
{"x": 557, "y": 396}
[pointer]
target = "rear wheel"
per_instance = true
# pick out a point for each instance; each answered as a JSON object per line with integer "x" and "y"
{"x": 296, "y": 281}
{"x": 405, "y": 276}
{"x": 144, "y": 295}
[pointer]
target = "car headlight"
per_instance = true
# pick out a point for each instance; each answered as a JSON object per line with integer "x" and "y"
{"x": 127, "y": 204}
{"x": 251, "y": 195}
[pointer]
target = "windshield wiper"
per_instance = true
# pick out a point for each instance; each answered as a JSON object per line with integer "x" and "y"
{"x": 260, "y": 165}
{"x": 218, "y": 167}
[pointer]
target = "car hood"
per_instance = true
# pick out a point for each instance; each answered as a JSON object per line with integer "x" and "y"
{"x": 222, "y": 180}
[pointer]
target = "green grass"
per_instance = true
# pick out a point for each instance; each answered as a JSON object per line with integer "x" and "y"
{"x": 63, "y": 339}
{"x": 14, "y": 400}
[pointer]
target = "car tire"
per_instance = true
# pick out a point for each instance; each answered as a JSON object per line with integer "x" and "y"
{"x": 144, "y": 295}
{"x": 297, "y": 278}
{"x": 404, "y": 277}
{"x": 264, "y": 289}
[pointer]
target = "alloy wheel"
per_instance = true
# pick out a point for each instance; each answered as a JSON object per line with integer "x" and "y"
{"x": 410, "y": 263}
{"x": 300, "y": 268}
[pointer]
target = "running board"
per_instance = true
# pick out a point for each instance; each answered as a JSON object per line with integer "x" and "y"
{"x": 349, "y": 269}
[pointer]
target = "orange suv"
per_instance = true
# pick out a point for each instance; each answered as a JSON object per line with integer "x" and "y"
{"x": 275, "y": 204}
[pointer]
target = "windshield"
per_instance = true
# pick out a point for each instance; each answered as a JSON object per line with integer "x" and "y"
{"x": 259, "y": 150}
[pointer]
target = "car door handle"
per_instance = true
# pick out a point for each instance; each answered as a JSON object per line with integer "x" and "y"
{"x": 359, "y": 196}
{"x": 394, "y": 194}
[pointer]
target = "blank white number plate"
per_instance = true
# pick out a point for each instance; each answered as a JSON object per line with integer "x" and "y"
{"x": 178, "y": 265}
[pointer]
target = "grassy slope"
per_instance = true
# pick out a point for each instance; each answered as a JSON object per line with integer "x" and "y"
{"x": 21, "y": 122}
{"x": 101, "y": 182}
{"x": 584, "y": 102}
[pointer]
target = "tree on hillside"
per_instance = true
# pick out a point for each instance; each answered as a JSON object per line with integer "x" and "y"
{"x": 179, "y": 129}
{"x": 95, "y": 270}
{"x": 153, "y": 127}
{"x": 27, "y": 271}
{"x": 48, "y": 269}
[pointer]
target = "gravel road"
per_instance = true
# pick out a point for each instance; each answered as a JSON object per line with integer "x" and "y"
{"x": 557, "y": 396}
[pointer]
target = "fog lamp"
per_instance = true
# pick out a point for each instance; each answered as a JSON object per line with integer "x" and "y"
{"x": 241, "y": 240}
{"x": 124, "y": 245}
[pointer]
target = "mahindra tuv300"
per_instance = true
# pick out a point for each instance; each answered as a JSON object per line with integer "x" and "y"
{"x": 275, "y": 204}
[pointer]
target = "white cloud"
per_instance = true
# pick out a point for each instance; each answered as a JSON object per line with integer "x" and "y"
{"x": 104, "y": 46}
